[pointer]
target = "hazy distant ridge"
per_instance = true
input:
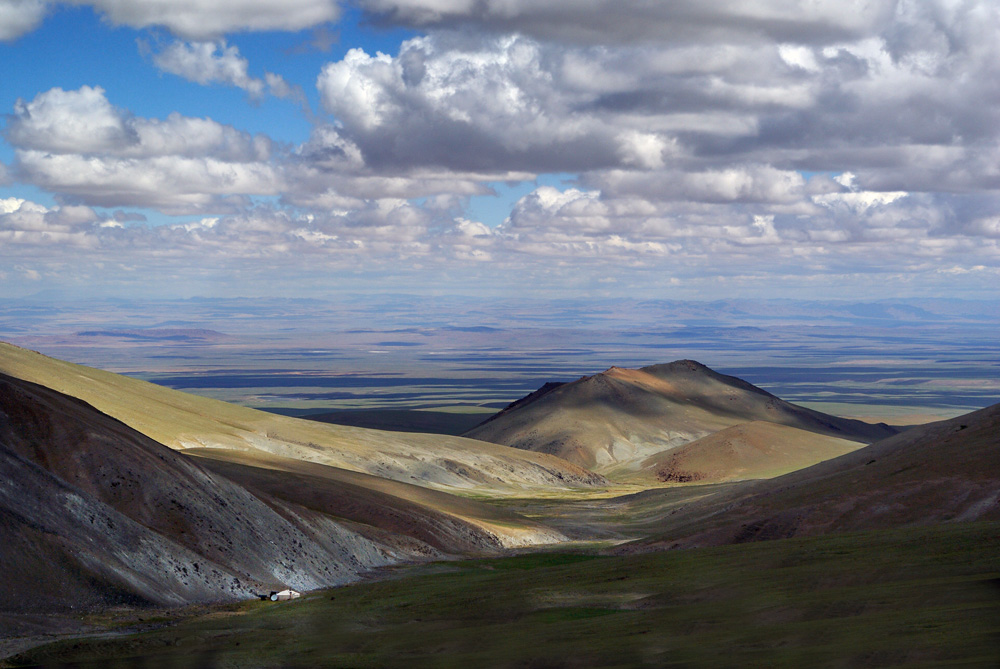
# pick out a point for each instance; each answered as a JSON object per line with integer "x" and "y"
{"x": 161, "y": 334}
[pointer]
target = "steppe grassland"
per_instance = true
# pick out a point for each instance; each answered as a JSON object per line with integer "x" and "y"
{"x": 925, "y": 595}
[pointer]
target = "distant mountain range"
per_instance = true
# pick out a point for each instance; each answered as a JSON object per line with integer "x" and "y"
{"x": 199, "y": 335}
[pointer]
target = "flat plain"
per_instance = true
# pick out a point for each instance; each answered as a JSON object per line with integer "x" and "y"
{"x": 901, "y": 360}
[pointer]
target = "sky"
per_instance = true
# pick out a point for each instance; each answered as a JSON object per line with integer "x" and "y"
{"x": 694, "y": 149}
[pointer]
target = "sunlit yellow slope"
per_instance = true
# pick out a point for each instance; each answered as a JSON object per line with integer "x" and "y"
{"x": 183, "y": 421}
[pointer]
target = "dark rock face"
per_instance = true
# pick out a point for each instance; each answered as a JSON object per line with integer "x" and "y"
{"x": 93, "y": 514}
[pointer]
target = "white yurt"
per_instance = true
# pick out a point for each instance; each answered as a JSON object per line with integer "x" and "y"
{"x": 284, "y": 595}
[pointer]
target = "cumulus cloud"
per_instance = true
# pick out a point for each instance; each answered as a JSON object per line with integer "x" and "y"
{"x": 217, "y": 62}
{"x": 572, "y": 228}
{"x": 603, "y": 21}
{"x": 488, "y": 107}
{"x": 858, "y": 201}
{"x": 77, "y": 144}
{"x": 469, "y": 240}
{"x": 791, "y": 103}
{"x": 18, "y": 17}
{"x": 705, "y": 137}
{"x": 83, "y": 121}
{"x": 209, "y": 62}
{"x": 735, "y": 184}
{"x": 190, "y": 19}
{"x": 198, "y": 20}
{"x": 25, "y": 223}
{"x": 723, "y": 237}
{"x": 987, "y": 227}
{"x": 172, "y": 184}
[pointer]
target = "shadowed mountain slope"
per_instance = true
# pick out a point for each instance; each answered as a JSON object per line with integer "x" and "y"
{"x": 445, "y": 522}
{"x": 180, "y": 421}
{"x": 94, "y": 514}
{"x": 617, "y": 419}
{"x": 939, "y": 472}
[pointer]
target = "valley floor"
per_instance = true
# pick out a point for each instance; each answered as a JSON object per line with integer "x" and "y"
{"x": 927, "y": 596}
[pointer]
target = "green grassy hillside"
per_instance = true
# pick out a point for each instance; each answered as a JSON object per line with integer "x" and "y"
{"x": 920, "y": 597}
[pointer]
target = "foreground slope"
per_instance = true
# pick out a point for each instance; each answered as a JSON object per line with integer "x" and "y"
{"x": 940, "y": 472}
{"x": 94, "y": 514}
{"x": 182, "y": 421}
{"x": 917, "y": 597}
{"x": 97, "y": 514}
{"x": 620, "y": 417}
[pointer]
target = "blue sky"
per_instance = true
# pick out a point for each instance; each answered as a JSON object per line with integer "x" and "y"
{"x": 685, "y": 150}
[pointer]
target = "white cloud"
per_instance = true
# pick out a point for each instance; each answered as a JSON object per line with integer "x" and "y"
{"x": 216, "y": 62}
{"x": 190, "y": 19}
{"x": 643, "y": 149}
{"x": 58, "y": 120}
{"x": 759, "y": 230}
{"x": 858, "y": 201}
{"x": 567, "y": 231}
{"x": 11, "y": 205}
{"x": 744, "y": 183}
{"x": 199, "y": 20}
{"x": 987, "y": 227}
{"x": 812, "y": 104}
{"x": 617, "y": 21}
{"x": 77, "y": 144}
{"x": 800, "y": 56}
{"x": 84, "y": 122}
{"x": 173, "y": 184}
{"x": 493, "y": 106}
{"x": 706, "y": 138}
{"x": 279, "y": 88}
{"x": 846, "y": 180}
{"x": 209, "y": 62}
{"x": 18, "y": 17}
{"x": 27, "y": 224}
{"x": 473, "y": 229}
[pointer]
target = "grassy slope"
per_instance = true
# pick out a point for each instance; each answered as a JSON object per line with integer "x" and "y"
{"x": 940, "y": 472}
{"x": 180, "y": 421}
{"x": 754, "y": 450}
{"x": 434, "y": 517}
{"x": 926, "y": 596}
